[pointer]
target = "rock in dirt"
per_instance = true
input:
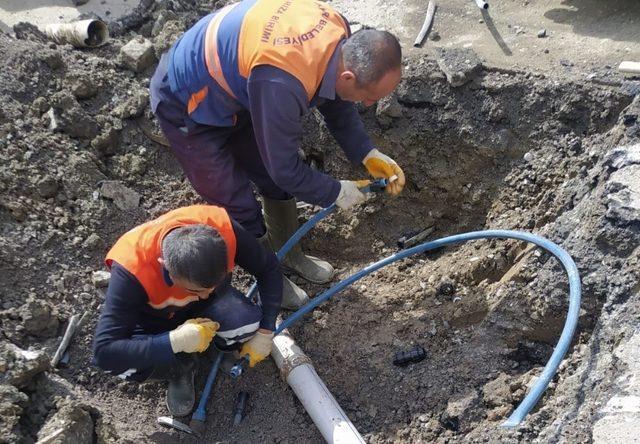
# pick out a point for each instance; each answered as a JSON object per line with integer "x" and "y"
{"x": 542, "y": 33}
{"x": 100, "y": 278}
{"x": 107, "y": 142}
{"x": 388, "y": 109}
{"x": 460, "y": 411}
{"x": 18, "y": 367}
{"x": 12, "y": 403}
{"x": 67, "y": 116}
{"x": 92, "y": 242}
{"x": 169, "y": 34}
{"x": 83, "y": 86}
{"x": 138, "y": 54}
{"x": 459, "y": 65}
{"x": 497, "y": 392}
{"x": 47, "y": 187}
{"x": 134, "y": 105}
{"x": 124, "y": 198}
{"x": 71, "y": 423}
{"x": 164, "y": 16}
{"x": 39, "y": 317}
{"x": 623, "y": 186}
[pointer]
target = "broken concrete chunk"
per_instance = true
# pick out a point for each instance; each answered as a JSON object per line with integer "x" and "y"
{"x": 71, "y": 423}
{"x": 460, "y": 66}
{"x": 100, "y": 278}
{"x": 124, "y": 198}
{"x": 623, "y": 195}
{"x": 138, "y": 54}
{"x": 623, "y": 156}
{"x": 39, "y": 317}
{"x": 20, "y": 366}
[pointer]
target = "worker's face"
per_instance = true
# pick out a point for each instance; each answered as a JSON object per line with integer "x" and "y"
{"x": 191, "y": 288}
{"x": 348, "y": 89}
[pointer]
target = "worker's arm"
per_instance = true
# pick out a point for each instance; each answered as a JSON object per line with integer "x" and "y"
{"x": 277, "y": 102}
{"x": 114, "y": 348}
{"x": 263, "y": 264}
{"x": 346, "y": 126}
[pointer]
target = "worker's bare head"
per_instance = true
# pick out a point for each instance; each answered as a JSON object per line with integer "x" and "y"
{"x": 370, "y": 68}
{"x": 195, "y": 257}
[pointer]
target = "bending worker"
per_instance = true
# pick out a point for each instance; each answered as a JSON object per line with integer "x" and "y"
{"x": 230, "y": 96}
{"x": 170, "y": 294}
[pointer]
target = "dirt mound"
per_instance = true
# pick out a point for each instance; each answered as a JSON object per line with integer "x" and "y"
{"x": 503, "y": 150}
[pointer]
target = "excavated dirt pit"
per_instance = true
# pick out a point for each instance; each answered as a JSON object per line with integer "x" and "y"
{"x": 507, "y": 150}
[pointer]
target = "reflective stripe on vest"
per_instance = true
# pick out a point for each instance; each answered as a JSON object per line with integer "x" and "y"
{"x": 211, "y": 49}
{"x": 138, "y": 251}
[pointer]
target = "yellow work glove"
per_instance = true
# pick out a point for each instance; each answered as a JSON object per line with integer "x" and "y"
{"x": 193, "y": 336}
{"x": 350, "y": 193}
{"x": 382, "y": 166}
{"x": 258, "y": 347}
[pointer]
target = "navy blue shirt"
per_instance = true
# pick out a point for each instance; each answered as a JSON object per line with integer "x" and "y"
{"x": 132, "y": 334}
{"x": 277, "y": 104}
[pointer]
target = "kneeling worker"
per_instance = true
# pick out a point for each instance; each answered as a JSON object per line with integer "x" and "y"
{"x": 170, "y": 294}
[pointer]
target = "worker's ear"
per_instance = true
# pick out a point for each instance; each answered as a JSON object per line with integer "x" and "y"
{"x": 161, "y": 261}
{"x": 348, "y": 76}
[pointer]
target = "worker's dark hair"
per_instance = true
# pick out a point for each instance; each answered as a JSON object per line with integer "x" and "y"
{"x": 195, "y": 253}
{"x": 370, "y": 54}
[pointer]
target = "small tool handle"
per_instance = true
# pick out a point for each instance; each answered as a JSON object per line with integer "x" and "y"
{"x": 376, "y": 186}
{"x": 239, "y": 367}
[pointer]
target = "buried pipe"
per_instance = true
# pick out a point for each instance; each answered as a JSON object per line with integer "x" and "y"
{"x": 568, "y": 330}
{"x": 85, "y": 33}
{"x": 317, "y": 400}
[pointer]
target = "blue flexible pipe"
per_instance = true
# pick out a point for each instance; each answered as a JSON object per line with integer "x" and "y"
{"x": 567, "y": 332}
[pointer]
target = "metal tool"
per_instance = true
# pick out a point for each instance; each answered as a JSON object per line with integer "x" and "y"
{"x": 174, "y": 424}
{"x": 240, "y": 407}
{"x": 199, "y": 416}
{"x": 414, "y": 239}
{"x": 239, "y": 367}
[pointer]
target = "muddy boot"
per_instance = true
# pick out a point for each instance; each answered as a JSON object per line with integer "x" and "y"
{"x": 181, "y": 395}
{"x": 293, "y": 297}
{"x": 281, "y": 218}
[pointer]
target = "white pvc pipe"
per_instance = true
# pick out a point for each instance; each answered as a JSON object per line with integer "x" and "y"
{"x": 630, "y": 67}
{"x": 324, "y": 410}
{"x": 85, "y": 33}
{"x": 482, "y": 4}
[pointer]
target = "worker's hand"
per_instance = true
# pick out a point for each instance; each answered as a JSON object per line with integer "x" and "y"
{"x": 258, "y": 347}
{"x": 382, "y": 166}
{"x": 193, "y": 336}
{"x": 350, "y": 193}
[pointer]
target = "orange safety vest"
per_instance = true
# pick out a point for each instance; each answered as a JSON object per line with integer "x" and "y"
{"x": 138, "y": 251}
{"x": 297, "y": 36}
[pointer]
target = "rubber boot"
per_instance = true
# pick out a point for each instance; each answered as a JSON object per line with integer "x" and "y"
{"x": 181, "y": 395}
{"x": 293, "y": 297}
{"x": 281, "y": 219}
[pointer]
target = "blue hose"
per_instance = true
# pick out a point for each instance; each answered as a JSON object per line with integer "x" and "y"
{"x": 567, "y": 332}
